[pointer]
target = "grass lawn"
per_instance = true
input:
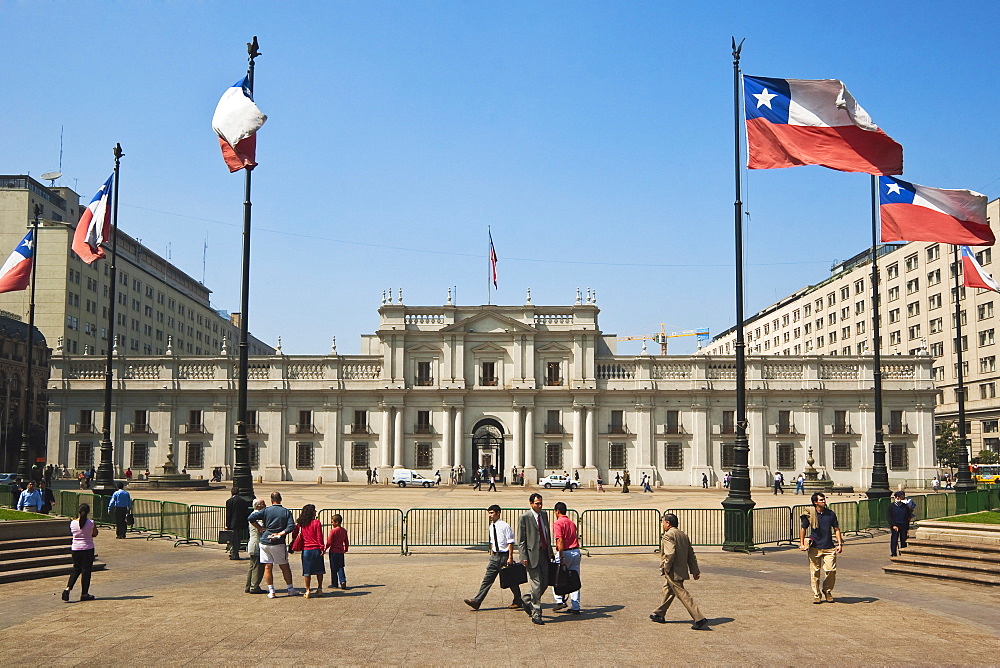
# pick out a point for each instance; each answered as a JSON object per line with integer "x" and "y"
{"x": 8, "y": 514}
{"x": 986, "y": 517}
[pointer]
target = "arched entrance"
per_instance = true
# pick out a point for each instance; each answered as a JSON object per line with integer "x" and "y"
{"x": 487, "y": 446}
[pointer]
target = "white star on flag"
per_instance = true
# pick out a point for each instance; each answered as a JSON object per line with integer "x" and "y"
{"x": 764, "y": 98}
{"x": 893, "y": 188}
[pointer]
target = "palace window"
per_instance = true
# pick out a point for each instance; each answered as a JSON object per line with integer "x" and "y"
{"x": 424, "y": 459}
{"x": 195, "y": 458}
{"x": 553, "y": 456}
{"x": 359, "y": 456}
{"x": 304, "y": 455}
{"x": 617, "y": 456}
{"x": 673, "y": 456}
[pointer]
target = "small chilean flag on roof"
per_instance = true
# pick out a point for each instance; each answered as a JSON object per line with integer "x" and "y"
{"x": 911, "y": 212}
{"x": 236, "y": 121}
{"x": 16, "y": 271}
{"x": 94, "y": 227}
{"x": 794, "y": 122}
{"x": 973, "y": 275}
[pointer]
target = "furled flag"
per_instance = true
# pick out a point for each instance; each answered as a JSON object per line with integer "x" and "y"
{"x": 236, "y": 121}
{"x": 794, "y": 122}
{"x": 973, "y": 275}
{"x": 94, "y": 227}
{"x": 16, "y": 271}
{"x": 917, "y": 213}
{"x": 493, "y": 260}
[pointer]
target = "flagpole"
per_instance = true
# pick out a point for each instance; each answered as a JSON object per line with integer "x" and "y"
{"x": 242, "y": 475}
{"x": 489, "y": 266}
{"x": 963, "y": 478}
{"x": 105, "y": 478}
{"x": 880, "y": 475}
{"x": 738, "y": 532}
{"x": 26, "y": 405}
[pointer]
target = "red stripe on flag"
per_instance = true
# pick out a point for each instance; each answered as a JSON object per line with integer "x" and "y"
{"x": 847, "y": 148}
{"x": 909, "y": 222}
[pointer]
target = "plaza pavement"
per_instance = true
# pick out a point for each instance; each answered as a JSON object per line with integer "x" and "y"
{"x": 161, "y": 605}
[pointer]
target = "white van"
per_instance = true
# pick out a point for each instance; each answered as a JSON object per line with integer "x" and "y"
{"x": 404, "y": 477}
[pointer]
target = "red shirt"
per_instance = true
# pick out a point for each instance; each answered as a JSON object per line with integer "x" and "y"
{"x": 312, "y": 535}
{"x": 565, "y": 529}
{"x": 337, "y": 543}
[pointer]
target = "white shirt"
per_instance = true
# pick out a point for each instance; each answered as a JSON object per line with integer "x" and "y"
{"x": 504, "y": 536}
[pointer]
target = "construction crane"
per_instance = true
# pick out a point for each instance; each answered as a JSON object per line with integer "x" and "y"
{"x": 663, "y": 337}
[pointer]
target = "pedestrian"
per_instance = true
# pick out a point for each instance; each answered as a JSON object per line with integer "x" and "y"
{"x": 337, "y": 544}
{"x": 800, "y": 484}
{"x": 374, "y": 476}
{"x": 437, "y": 477}
{"x": 84, "y": 531}
{"x": 48, "y": 497}
{"x": 146, "y": 475}
{"x": 128, "y": 475}
{"x": 646, "y": 487}
{"x": 120, "y": 507}
{"x": 493, "y": 484}
{"x": 274, "y": 522}
{"x": 255, "y": 572}
{"x": 600, "y": 483}
{"x": 898, "y": 516}
{"x": 534, "y": 547}
{"x": 704, "y": 481}
{"x": 935, "y": 484}
{"x": 626, "y": 479}
{"x": 576, "y": 476}
{"x": 501, "y": 539}
{"x": 567, "y": 554}
{"x": 307, "y": 538}
{"x": 453, "y": 477}
{"x": 49, "y": 470}
{"x": 368, "y": 473}
{"x": 237, "y": 512}
{"x": 725, "y": 480}
{"x": 618, "y": 479}
{"x": 777, "y": 483}
{"x": 477, "y": 480}
{"x": 30, "y": 499}
{"x": 568, "y": 484}
{"x": 824, "y": 528}
{"x": 677, "y": 562}
{"x": 513, "y": 476}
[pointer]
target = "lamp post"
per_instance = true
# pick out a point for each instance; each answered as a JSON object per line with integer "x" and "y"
{"x": 963, "y": 478}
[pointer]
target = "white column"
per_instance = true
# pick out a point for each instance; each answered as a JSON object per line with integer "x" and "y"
{"x": 591, "y": 439}
{"x": 384, "y": 442}
{"x": 397, "y": 440}
{"x": 459, "y": 435}
{"x": 517, "y": 451}
{"x": 529, "y": 438}
{"x": 446, "y": 433}
{"x": 577, "y": 437}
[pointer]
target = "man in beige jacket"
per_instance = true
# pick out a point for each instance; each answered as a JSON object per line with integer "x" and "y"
{"x": 677, "y": 563}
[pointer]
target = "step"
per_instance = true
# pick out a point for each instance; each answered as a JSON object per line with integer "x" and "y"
{"x": 33, "y": 552}
{"x": 35, "y": 562}
{"x": 955, "y": 564}
{"x": 6, "y": 545}
{"x": 43, "y": 572}
{"x": 936, "y": 551}
{"x": 945, "y": 574}
{"x": 983, "y": 548}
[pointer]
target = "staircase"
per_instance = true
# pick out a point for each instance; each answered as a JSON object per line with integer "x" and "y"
{"x": 41, "y": 552}
{"x": 951, "y": 551}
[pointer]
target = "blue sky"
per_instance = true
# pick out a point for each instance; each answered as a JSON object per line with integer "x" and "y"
{"x": 596, "y": 139}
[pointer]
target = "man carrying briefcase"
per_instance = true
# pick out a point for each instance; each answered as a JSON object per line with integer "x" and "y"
{"x": 501, "y": 537}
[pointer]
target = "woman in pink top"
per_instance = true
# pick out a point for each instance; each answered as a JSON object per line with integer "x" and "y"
{"x": 84, "y": 530}
{"x": 308, "y": 537}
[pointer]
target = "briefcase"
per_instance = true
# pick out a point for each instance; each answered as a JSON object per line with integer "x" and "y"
{"x": 513, "y": 575}
{"x": 227, "y": 536}
{"x": 564, "y": 581}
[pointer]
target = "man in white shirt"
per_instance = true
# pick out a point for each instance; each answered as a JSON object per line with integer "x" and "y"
{"x": 501, "y": 537}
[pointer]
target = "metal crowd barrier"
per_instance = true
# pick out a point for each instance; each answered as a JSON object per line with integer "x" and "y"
{"x": 458, "y": 527}
{"x": 368, "y": 527}
{"x": 772, "y": 525}
{"x": 625, "y": 527}
{"x": 704, "y": 526}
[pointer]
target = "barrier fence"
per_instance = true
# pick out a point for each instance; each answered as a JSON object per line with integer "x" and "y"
{"x": 468, "y": 527}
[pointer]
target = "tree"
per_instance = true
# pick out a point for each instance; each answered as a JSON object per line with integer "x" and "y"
{"x": 987, "y": 457}
{"x": 948, "y": 446}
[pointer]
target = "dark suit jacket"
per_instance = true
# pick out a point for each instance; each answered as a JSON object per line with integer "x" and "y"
{"x": 676, "y": 556}
{"x": 237, "y": 511}
{"x": 528, "y": 545}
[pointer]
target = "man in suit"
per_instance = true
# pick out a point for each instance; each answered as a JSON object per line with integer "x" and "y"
{"x": 677, "y": 563}
{"x": 237, "y": 512}
{"x": 534, "y": 545}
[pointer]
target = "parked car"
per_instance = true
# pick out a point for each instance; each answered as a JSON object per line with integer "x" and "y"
{"x": 555, "y": 480}
{"x": 404, "y": 477}
{"x": 8, "y": 478}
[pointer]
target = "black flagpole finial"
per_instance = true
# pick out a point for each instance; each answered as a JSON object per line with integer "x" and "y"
{"x": 118, "y": 151}
{"x": 253, "y": 48}
{"x": 737, "y": 48}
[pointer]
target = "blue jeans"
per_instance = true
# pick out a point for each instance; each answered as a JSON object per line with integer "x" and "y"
{"x": 571, "y": 559}
{"x": 337, "y": 569}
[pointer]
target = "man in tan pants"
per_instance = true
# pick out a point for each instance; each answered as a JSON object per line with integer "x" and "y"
{"x": 677, "y": 563}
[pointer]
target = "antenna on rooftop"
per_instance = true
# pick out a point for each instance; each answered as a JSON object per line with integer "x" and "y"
{"x": 51, "y": 177}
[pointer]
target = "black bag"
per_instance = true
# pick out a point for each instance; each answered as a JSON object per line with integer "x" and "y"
{"x": 513, "y": 575}
{"x": 563, "y": 580}
{"x": 130, "y": 519}
{"x": 227, "y": 536}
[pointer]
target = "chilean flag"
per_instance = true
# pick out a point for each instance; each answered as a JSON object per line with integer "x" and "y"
{"x": 493, "y": 261}
{"x": 236, "y": 121}
{"x": 917, "y": 213}
{"x": 794, "y": 122}
{"x": 16, "y": 271}
{"x": 973, "y": 275}
{"x": 94, "y": 227}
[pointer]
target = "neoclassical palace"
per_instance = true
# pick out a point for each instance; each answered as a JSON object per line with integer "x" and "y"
{"x": 539, "y": 388}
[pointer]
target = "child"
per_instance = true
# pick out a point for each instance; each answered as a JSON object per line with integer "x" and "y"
{"x": 337, "y": 545}
{"x": 308, "y": 537}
